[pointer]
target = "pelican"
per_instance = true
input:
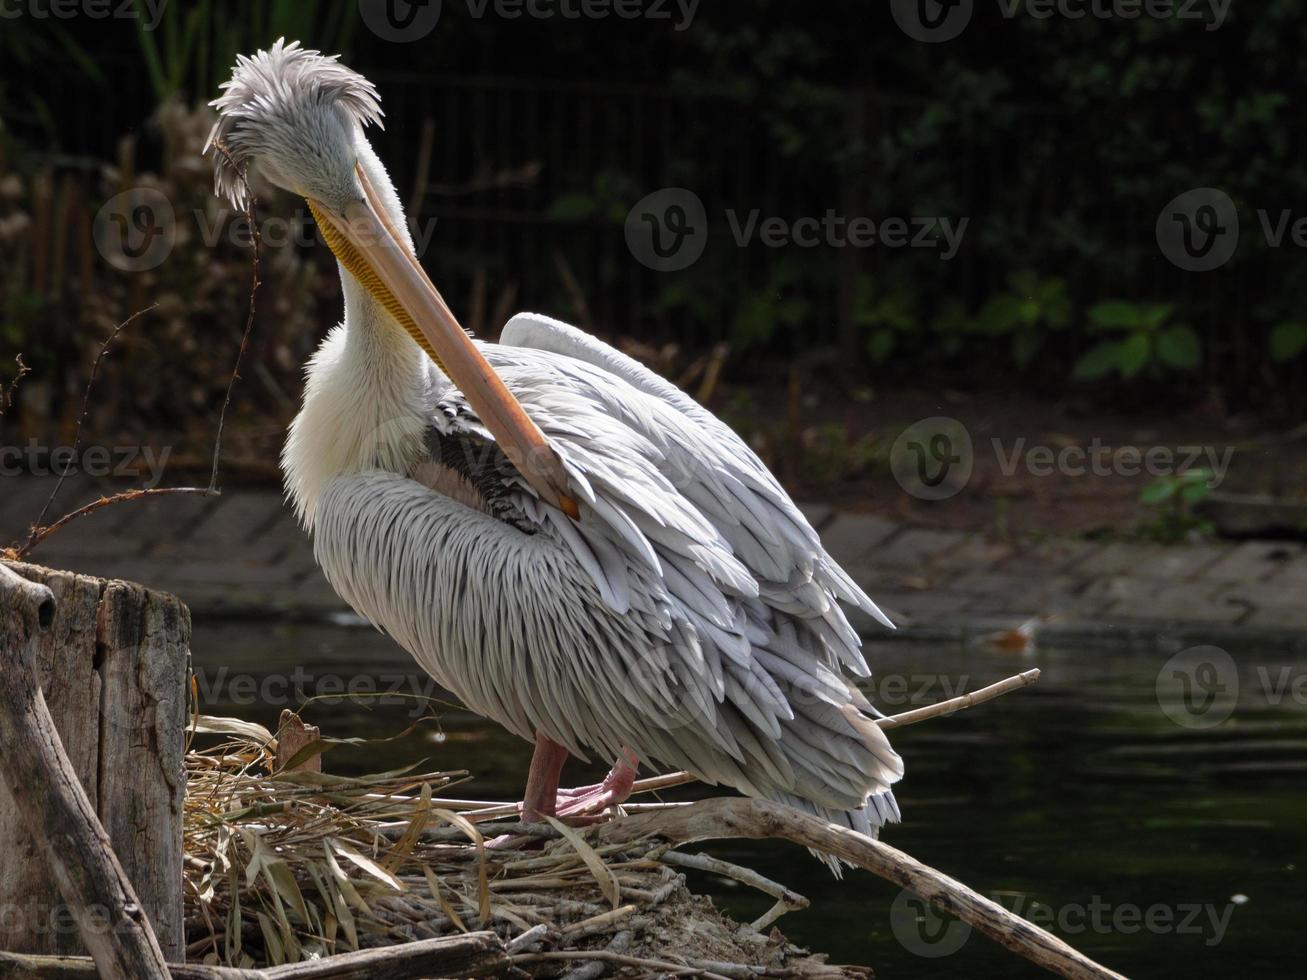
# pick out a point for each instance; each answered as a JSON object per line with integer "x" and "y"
{"x": 560, "y": 537}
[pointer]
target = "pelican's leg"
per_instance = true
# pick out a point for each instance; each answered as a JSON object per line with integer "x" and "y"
{"x": 614, "y": 790}
{"x": 542, "y": 781}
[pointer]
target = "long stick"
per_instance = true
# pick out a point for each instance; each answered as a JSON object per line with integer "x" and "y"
{"x": 475, "y": 954}
{"x": 957, "y": 704}
{"x": 756, "y": 819}
{"x": 939, "y": 710}
{"x": 54, "y": 806}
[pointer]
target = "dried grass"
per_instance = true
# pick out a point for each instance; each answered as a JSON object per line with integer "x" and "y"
{"x": 300, "y": 865}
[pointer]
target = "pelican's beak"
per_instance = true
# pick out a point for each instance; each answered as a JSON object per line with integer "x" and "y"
{"x": 366, "y": 243}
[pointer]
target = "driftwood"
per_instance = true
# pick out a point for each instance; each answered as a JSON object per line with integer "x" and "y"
{"x": 475, "y": 954}
{"x": 112, "y": 668}
{"x": 756, "y": 819}
{"x": 54, "y": 808}
{"x": 293, "y": 740}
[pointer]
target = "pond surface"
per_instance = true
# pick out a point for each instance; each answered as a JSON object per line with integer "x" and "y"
{"x": 1151, "y": 844}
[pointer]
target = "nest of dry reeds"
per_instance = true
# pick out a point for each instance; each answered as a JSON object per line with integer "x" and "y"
{"x": 295, "y": 865}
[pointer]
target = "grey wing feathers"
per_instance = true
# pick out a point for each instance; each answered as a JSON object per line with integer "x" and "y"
{"x": 685, "y": 520}
{"x": 757, "y": 501}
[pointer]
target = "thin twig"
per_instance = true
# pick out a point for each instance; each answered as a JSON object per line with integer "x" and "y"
{"x": 7, "y": 392}
{"x": 1013, "y": 683}
{"x": 675, "y": 969}
{"x": 39, "y": 532}
{"x": 723, "y": 819}
{"x": 952, "y": 705}
{"x": 786, "y": 900}
{"x": 81, "y": 419}
{"x": 255, "y": 241}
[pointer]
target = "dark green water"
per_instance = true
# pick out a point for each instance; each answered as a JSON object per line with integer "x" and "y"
{"x": 1152, "y": 845}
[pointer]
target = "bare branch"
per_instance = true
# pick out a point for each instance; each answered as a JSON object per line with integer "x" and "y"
{"x": 1016, "y": 682}
{"x": 39, "y": 531}
{"x": 7, "y": 392}
{"x": 81, "y": 419}
{"x": 722, "y": 819}
{"x": 255, "y": 242}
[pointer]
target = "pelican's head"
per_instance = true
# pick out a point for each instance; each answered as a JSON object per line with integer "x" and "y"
{"x": 299, "y": 117}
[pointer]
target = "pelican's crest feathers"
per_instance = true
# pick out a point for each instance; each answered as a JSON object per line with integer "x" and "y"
{"x": 267, "y": 92}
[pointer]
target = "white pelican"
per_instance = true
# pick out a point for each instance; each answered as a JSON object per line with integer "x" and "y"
{"x": 560, "y": 537}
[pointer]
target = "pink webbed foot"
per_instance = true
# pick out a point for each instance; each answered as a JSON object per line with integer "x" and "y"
{"x": 586, "y": 804}
{"x": 579, "y": 807}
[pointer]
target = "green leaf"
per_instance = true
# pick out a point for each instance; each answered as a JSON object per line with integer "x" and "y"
{"x": 1097, "y": 361}
{"x": 573, "y": 207}
{"x": 1056, "y": 304}
{"x": 1155, "y": 314}
{"x": 1179, "y": 347}
{"x": 1195, "y": 492}
{"x": 1115, "y": 315}
{"x": 1159, "y": 491}
{"x": 1288, "y": 340}
{"x": 1000, "y": 315}
{"x": 881, "y": 345}
{"x": 1136, "y": 351}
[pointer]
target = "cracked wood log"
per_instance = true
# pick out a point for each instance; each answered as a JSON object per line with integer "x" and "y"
{"x": 113, "y": 668}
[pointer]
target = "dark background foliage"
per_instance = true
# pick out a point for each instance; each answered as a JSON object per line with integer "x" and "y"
{"x": 1059, "y": 140}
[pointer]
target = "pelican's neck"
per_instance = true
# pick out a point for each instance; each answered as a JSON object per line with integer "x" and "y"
{"x": 368, "y": 388}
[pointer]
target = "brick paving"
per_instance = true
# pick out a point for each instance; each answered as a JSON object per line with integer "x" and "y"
{"x": 241, "y": 554}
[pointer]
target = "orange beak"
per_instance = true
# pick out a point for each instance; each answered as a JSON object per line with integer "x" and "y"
{"x": 367, "y": 245}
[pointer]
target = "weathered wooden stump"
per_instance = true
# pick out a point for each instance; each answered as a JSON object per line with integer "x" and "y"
{"x": 113, "y": 666}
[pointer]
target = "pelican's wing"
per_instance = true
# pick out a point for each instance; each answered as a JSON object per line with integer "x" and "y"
{"x": 684, "y": 527}
{"x": 762, "y": 523}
